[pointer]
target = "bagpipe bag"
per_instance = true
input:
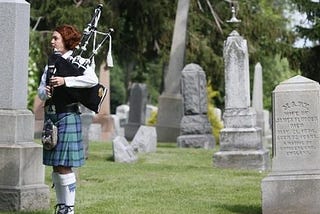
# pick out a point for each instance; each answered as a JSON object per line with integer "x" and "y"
{"x": 92, "y": 97}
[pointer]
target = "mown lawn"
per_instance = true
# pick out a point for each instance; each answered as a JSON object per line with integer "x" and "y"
{"x": 170, "y": 181}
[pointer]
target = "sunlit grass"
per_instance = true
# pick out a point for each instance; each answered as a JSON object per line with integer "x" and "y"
{"x": 172, "y": 180}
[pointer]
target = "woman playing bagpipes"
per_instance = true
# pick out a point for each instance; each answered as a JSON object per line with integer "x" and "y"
{"x": 63, "y": 110}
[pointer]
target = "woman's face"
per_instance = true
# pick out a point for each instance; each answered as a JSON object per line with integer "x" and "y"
{"x": 57, "y": 42}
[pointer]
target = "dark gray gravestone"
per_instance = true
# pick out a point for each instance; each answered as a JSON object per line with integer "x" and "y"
{"x": 196, "y": 130}
{"x": 294, "y": 183}
{"x": 137, "y": 112}
{"x": 170, "y": 102}
{"x": 22, "y": 184}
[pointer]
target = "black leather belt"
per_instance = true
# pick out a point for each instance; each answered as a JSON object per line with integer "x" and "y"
{"x": 71, "y": 108}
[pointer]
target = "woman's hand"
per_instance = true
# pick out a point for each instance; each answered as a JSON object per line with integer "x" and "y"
{"x": 57, "y": 81}
{"x": 48, "y": 91}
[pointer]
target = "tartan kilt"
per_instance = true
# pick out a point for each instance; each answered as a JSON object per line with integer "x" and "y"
{"x": 69, "y": 148}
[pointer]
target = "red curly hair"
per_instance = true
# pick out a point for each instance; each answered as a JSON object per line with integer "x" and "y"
{"x": 70, "y": 35}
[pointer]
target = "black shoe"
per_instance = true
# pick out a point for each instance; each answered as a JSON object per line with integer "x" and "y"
{"x": 60, "y": 209}
{"x": 68, "y": 210}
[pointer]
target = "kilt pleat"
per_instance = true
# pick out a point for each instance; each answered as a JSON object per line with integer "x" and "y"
{"x": 69, "y": 148}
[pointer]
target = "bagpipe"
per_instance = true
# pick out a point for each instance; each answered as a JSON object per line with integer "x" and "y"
{"x": 76, "y": 64}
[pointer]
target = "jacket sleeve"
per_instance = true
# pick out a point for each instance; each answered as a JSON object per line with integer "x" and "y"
{"x": 42, "y": 87}
{"x": 87, "y": 80}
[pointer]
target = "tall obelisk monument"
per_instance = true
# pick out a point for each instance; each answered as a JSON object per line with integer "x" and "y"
{"x": 170, "y": 102}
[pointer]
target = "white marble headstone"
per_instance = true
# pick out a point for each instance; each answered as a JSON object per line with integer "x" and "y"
{"x": 296, "y": 125}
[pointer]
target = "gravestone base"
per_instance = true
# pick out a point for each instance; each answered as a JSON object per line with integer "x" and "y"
{"x": 240, "y": 139}
{"x": 32, "y": 197}
{"x": 22, "y": 177}
{"x": 252, "y": 160}
{"x": 291, "y": 194}
{"x": 240, "y": 117}
{"x": 169, "y": 116}
{"x": 130, "y": 130}
{"x": 195, "y": 124}
{"x": 167, "y": 134}
{"x": 205, "y": 141}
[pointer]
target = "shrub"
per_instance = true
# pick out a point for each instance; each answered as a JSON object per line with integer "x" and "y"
{"x": 213, "y": 118}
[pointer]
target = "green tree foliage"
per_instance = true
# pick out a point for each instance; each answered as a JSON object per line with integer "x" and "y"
{"x": 262, "y": 25}
{"x": 143, "y": 35}
{"x": 213, "y": 118}
{"x": 307, "y": 58}
{"x": 205, "y": 43}
{"x": 116, "y": 87}
{"x": 312, "y": 10}
{"x": 143, "y": 40}
{"x": 280, "y": 71}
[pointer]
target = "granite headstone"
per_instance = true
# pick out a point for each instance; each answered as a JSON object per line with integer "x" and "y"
{"x": 137, "y": 112}
{"x": 294, "y": 183}
{"x": 196, "y": 130}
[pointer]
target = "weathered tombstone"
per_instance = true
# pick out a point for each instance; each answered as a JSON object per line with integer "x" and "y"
{"x": 22, "y": 184}
{"x": 118, "y": 130}
{"x": 145, "y": 140}
{"x": 123, "y": 151}
{"x": 294, "y": 183}
{"x": 196, "y": 130}
{"x": 104, "y": 118}
{"x": 257, "y": 96}
{"x": 86, "y": 121}
{"x": 122, "y": 112}
{"x": 137, "y": 112}
{"x": 240, "y": 139}
{"x": 257, "y": 104}
{"x": 170, "y": 102}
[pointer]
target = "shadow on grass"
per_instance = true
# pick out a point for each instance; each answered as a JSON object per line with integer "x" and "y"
{"x": 242, "y": 209}
{"x": 167, "y": 144}
{"x": 110, "y": 158}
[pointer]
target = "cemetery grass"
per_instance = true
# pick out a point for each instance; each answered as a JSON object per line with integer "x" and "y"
{"x": 170, "y": 181}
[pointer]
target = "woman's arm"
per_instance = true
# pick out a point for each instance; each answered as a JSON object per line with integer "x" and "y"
{"x": 42, "y": 89}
